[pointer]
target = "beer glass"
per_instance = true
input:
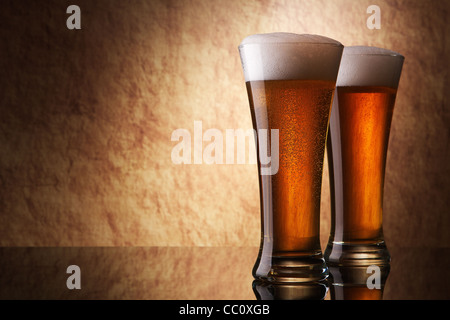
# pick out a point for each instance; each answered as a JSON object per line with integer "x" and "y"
{"x": 290, "y": 83}
{"x": 357, "y": 147}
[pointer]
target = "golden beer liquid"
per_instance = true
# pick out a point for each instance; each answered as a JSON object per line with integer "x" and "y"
{"x": 300, "y": 110}
{"x": 365, "y": 115}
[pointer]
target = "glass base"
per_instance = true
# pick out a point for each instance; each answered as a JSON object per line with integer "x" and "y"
{"x": 357, "y": 254}
{"x": 291, "y": 269}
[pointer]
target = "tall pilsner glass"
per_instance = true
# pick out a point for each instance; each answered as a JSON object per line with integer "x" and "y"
{"x": 290, "y": 82}
{"x": 357, "y": 147}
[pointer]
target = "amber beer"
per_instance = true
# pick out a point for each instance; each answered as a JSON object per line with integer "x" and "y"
{"x": 295, "y": 192}
{"x": 357, "y": 149}
{"x": 290, "y": 82}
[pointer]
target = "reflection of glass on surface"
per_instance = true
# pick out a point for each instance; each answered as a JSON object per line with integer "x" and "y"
{"x": 290, "y": 83}
{"x": 357, "y": 148}
{"x": 350, "y": 283}
{"x": 305, "y": 291}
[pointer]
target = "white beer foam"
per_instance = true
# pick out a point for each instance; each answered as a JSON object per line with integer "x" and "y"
{"x": 289, "y": 56}
{"x": 369, "y": 66}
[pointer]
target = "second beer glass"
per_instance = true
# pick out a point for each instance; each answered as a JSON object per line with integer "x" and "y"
{"x": 290, "y": 82}
{"x": 357, "y": 148}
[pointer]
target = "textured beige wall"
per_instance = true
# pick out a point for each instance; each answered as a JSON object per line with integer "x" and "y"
{"x": 87, "y": 116}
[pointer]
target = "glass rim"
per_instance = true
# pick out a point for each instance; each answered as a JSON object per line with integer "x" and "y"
{"x": 388, "y": 53}
{"x": 376, "y": 55}
{"x": 292, "y": 43}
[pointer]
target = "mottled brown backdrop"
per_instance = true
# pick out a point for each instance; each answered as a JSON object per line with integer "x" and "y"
{"x": 86, "y": 118}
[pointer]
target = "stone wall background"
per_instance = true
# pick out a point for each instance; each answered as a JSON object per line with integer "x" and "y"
{"x": 86, "y": 118}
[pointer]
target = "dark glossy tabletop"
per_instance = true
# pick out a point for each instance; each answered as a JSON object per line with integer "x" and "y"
{"x": 196, "y": 273}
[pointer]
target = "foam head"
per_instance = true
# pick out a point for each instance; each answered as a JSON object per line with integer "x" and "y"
{"x": 289, "y": 56}
{"x": 370, "y": 66}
